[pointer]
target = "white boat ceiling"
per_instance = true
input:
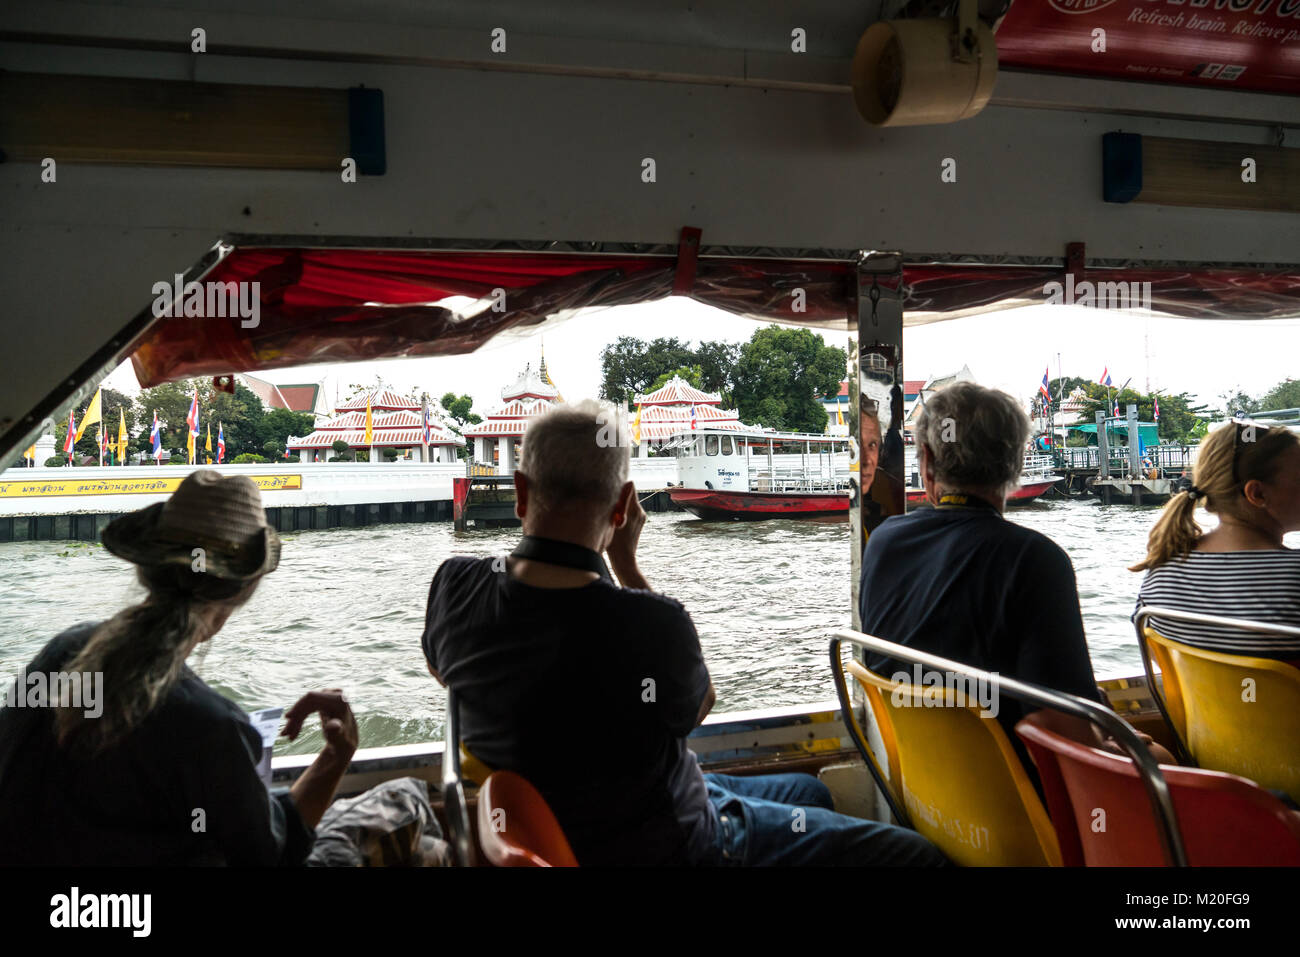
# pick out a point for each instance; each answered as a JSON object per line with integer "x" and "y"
{"x": 759, "y": 147}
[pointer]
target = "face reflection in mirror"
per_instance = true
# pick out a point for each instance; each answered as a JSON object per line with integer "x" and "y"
{"x": 870, "y": 444}
{"x": 873, "y": 401}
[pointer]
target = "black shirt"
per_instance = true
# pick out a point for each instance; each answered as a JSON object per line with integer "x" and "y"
{"x": 966, "y": 584}
{"x": 589, "y": 693}
{"x": 136, "y": 803}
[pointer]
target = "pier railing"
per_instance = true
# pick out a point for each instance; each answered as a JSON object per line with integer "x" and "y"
{"x": 1167, "y": 458}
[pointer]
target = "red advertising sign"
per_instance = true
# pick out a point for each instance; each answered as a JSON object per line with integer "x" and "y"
{"x": 1229, "y": 44}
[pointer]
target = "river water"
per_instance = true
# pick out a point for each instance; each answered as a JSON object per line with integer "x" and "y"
{"x": 346, "y": 607}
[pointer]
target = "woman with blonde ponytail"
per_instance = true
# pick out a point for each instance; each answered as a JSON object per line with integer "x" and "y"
{"x": 1248, "y": 476}
{"x": 135, "y": 760}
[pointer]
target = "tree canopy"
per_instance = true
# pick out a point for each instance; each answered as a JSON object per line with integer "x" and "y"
{"x": 780, "y": 375}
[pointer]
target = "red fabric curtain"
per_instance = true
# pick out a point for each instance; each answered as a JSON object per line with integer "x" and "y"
{"x": 328, "y": 305}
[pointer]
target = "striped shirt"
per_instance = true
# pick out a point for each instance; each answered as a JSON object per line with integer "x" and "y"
{"x": 1262, "y": 585}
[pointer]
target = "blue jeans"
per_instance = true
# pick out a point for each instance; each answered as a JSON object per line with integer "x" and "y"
{"x": 788, "y": 820}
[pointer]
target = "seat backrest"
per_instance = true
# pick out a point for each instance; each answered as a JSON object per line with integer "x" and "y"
{"x": 1234, "y": 713}
{"x": 957, "y": 775}
{"x": 1099, "y": 807}
{"x": 516, "y": 827}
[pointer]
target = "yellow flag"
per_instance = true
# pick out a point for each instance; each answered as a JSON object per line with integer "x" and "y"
{"x": 121, "y": 435}
{"x": 636, "y": 426}
{"x": 91, "y": 417}
{"x": 31, "y": 452}
{"x": 189, "y": 444}
{"x": 839, "y": 413}
{"x": 370, "y": 425}
{"x": 207, "y": 447}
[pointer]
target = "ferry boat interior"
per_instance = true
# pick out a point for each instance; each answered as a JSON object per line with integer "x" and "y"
{"x": 405, "y": 180}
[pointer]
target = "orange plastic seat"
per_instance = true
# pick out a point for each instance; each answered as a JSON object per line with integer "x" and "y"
{"x": 1103, "y": 818}
{"x": 516, "y": 827}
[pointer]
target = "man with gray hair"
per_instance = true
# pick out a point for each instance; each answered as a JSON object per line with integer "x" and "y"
{"x": 960, "y": 581}
{"x": 589, "y": 690}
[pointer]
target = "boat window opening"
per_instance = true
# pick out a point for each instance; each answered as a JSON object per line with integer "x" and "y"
{"x": 711, "y": 445}
{"x": 726, "y": 445}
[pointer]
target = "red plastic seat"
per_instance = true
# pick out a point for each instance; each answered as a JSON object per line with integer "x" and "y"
{"x": 1103, "y": 818}
{"x": 516, "y": 827}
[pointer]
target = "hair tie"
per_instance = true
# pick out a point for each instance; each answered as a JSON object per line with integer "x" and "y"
{"x": 1195, "y": 493}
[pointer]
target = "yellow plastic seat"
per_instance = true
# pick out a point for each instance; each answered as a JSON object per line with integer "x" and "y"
{"x": 1233, "y": 713}
{"x": 958, "y": 776}
{"x": 471, "y": 768}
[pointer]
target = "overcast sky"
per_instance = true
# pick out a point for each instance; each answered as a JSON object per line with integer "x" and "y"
{"x": 1007, "y": 350}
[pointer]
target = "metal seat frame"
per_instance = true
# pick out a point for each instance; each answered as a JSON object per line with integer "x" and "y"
{"x": 1106, "y": 721}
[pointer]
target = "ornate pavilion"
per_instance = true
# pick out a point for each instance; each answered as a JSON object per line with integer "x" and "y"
{"x": 668, "y": 411}
{"x": 496, "y": 439}
{"x": 395, "y": 423}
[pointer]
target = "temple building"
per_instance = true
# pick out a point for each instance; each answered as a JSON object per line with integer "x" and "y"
{"x": 395, "y": 424}
{"x": 676, "y": 408}
{"x": 496, "y": 439}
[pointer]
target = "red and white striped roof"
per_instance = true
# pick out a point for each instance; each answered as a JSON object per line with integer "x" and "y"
{"x": 660, "y": 422}
{"x": 510, "y": 419}
{"x": 398, "y": 429}
{"x": 677, "y": 391}
{"x": 380, "y": 400}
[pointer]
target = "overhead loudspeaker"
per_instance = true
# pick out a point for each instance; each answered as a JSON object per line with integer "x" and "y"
{"x": 914, "y": 72}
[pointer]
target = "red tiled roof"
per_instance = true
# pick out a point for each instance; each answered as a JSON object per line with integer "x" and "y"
{"x": 913, "y": 386}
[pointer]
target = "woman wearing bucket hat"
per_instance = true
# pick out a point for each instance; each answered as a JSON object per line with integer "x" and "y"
{"x": 154, "y": 767}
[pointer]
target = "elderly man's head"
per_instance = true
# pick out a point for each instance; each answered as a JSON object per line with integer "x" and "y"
{"x": 972, "y": 439}
{"x": 572, "y": 479}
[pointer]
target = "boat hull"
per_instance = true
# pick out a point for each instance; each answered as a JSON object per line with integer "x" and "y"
{"x": 752, "y": 506}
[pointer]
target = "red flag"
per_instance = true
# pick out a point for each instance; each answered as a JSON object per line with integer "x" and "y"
{"x": 70, "y": 442}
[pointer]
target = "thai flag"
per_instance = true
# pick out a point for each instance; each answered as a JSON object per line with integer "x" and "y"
{"x": 1047, "y": 395}
{"x": 155, "y": 437}
{"x": 1105, "y": 377}
{"x": 193, "y": 418}
{"x": 221, "y": 443}
{"x": 428, "y": 433}
{"x": 693, "y": 421}
{"x": 71, "y": 440}
{"x": 1156, "y": 401}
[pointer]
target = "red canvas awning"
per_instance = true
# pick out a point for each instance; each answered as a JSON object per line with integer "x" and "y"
{"x": 330, "y": 305}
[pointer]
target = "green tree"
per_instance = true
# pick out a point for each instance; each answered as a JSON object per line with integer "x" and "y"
{"x": 629, "y": 365}
{"x": 717, "y": 364}
{"x": 692, "y": 374}
{"x": 276, "y": 425}
{"x": 781, "y": 373}
{"x": 1284, "y": 395}
{"x": 458, "y": 407}
{"x": 1237, "y": 401}
{"x": 1179, "y": 413}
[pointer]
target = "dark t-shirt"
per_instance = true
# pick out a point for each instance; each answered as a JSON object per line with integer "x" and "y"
{"x": 966, "y": 584}
{"x": 554, "y": 683}
{"x": 135, "y": 803}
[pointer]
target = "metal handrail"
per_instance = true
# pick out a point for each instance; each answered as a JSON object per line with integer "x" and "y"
{"x": 1201, "y": 618}
{"x": 453, "y": 789}
{"x": 1162, "y": 805}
